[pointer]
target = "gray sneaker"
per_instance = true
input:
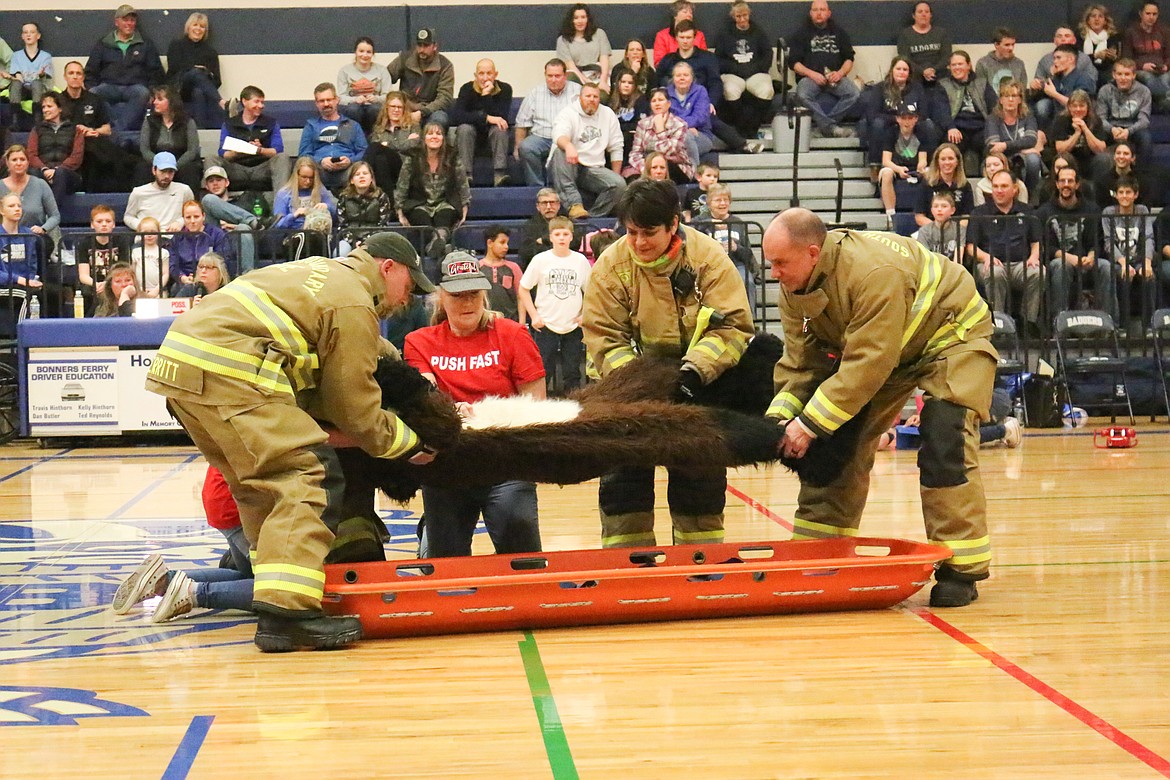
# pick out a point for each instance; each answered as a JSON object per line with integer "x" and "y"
{"x": 844, "y": 132}
{"x": 149, "y": 579}
{"x": 178, "y": 600}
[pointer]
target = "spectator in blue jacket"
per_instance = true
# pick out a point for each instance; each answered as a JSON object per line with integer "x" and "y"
{"x": 196, "y": 239}
{"x": 18, "y": 247}
{"x": 690, "y": 103}
{"x": 334, "y": 141}
{"x": 121, "y": 69}
{"x": 303, "y": 193}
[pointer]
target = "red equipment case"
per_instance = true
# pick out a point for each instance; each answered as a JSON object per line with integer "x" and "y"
{"x": 589, "y": 587}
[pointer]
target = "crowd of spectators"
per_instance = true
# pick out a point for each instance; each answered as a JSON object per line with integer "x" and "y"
{"x": 398, "y": 143}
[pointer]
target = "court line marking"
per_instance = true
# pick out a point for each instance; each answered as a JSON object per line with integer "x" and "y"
{"x": 761, "y": 508}
{"x": 34, "y": 464}
{"x": 188, "y": 749}
{"x": 556, "y": 746}
{"x": 1084, "y": 715}
{"x": 63, "y": 553}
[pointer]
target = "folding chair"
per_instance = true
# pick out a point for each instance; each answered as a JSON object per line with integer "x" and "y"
{"x": 1006, "y": 340}
{"x": 1160, "y": 326}
{"x": 1087, "y": 345}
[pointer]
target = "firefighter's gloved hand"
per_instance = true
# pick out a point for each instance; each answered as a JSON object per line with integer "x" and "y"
{"x": 689, "y": 384}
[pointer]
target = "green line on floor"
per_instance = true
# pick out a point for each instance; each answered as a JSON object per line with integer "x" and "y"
{"x": 560, "y": 759}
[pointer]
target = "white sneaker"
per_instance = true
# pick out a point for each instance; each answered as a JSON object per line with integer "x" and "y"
{"x": 178, "y": 600}
{"x": 754, "y": 147}
{"x": 149, "y": 579}
{"x": 844, "y": 132}
{"x": 1013, "y": 432}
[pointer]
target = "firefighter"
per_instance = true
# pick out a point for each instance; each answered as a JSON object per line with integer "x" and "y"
{"x": 867, "y": 318}
{"x": 664, "y": 291}
{"x": 250, "y": 371}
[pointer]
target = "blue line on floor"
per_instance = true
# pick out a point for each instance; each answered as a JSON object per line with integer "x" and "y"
{"x": 184, "y": 756}
{"x": 35, "y": 463}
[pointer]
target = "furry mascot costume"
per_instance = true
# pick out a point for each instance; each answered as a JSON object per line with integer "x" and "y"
{"x": 630, "y": 418}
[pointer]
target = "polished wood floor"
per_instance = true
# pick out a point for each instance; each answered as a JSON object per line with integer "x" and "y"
{"x": 1060, "y": 670}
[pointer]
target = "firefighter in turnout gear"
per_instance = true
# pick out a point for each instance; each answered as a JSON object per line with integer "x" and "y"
{"x": 664, "y": 291}
{"x": 250, "y": 371}
{"x": 867, "y": 318}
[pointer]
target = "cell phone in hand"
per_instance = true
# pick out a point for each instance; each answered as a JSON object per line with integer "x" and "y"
{"x": 334, "y": 160}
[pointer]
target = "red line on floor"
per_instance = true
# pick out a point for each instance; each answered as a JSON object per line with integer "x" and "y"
{"x": 1095, "y": 722}
{"x": 756, "y": 505}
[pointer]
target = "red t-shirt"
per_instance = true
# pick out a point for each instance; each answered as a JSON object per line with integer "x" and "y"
{"x": 494, "y": 361}
{"x": 218, "y": 504}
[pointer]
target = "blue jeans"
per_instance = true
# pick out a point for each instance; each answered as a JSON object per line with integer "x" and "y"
{"x": 202, "y": 98}
{"x": 225, "y": 588}
{"x": 533, "y": 153}
{"x": 845, "y": 92}
{"x": 450, "y": 514}
{"x": 1159, "y": 83}
{"x": 223, "y": 211}
{"x": 569, "y": 179}
{"x": 1060, "y": 285}
{"x": 127, "y": 104}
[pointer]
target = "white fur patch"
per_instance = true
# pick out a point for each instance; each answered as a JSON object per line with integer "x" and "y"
{"x": 518, "y": 411}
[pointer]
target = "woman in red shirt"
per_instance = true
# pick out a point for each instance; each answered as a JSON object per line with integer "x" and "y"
{"x": 471, "y": 353}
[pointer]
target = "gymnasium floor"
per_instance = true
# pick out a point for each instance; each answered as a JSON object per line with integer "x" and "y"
{"x": 1059, "y": 670}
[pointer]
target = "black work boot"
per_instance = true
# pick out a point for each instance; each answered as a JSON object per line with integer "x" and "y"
{"x": 314, "y": 631}
{"x": 953, "y": 589}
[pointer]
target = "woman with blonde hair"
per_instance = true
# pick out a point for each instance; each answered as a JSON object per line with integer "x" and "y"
{"x": 211, "y": 274}
{"x": 116, "y": 298}
{"x": 193, "y": 68}
{"x": 301, "y": 195}
{"x": 395, "y": 135}
{"x": 944, "y": 174}
{"x": 463, "y": 325}
{"x": 1100, "y": 40}
{"x": 1011, "y": 131}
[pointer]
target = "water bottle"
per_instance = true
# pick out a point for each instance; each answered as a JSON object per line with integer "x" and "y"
{"x": 258, "y": 208}
{"x": 34, "y": 308}
{"x": 78, "y": 305}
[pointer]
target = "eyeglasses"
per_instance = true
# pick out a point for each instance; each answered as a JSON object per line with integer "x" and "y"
{"x": 547, "y": 202}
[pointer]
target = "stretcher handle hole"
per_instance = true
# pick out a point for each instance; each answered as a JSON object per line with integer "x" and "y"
{"x": 699, "y": 557}
{"x": 528, "y": 564}
{"x": 647, "y": 558}
{"x": 872, "y": 550}
{"x": 757, "y": 552}
{"x": 351, "y": 576}
{"x": 415, "y": 569}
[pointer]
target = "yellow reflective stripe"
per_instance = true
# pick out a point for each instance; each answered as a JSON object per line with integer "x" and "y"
{"x": 712, "y": 347}
{"x": 263, "y": 373}
{"x": 281, "y": 327}
{"x": 825, "y": 413}
{"x": 807, "y": 529}
{"x": 928, "y": 282}
{"x": 290, "y": 578}
{"x": 288, "y": 587}
{"x": 618, "y": 357}
{"x": 622, "y": 540}
{"x": 785, "y": 406}
{"x": 691, "y": 537}
{"x": 702, "y": 322}
{"x": 252, "y": 555}
{"x": 956, "y": 331}
{"x": 405, "y": 440}
{"x": 968, "y": 551}
{"x": 291, "y": 569}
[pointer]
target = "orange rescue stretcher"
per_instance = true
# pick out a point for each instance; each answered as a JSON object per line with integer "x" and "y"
{"x": 629, "y": 585}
